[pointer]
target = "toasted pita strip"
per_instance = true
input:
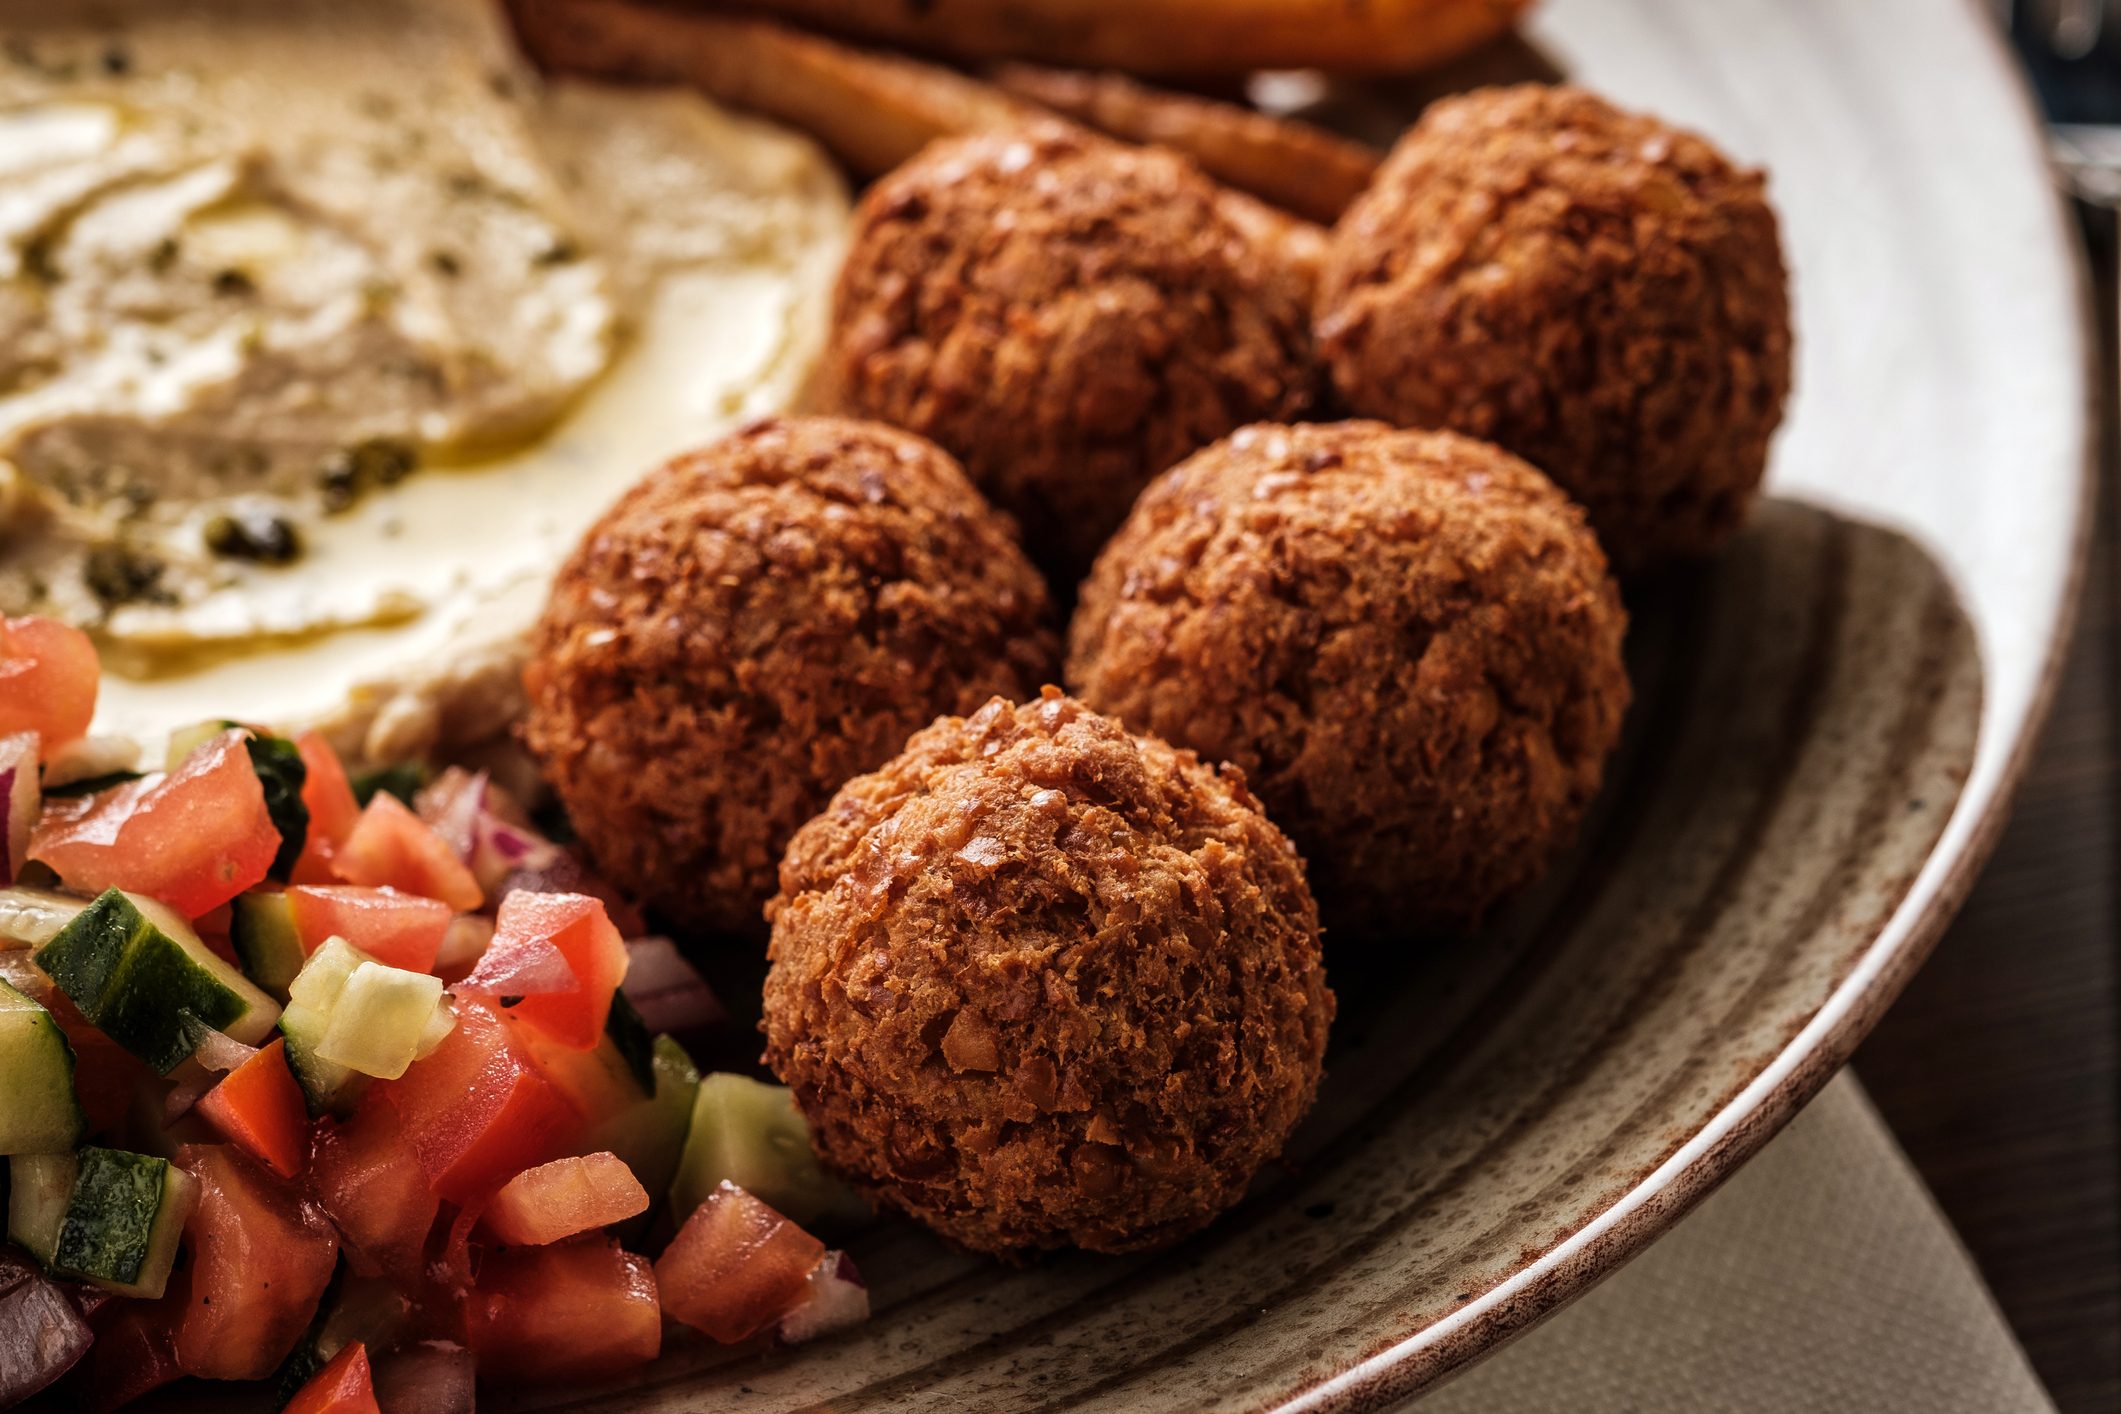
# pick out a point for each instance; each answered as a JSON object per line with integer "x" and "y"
{"x": 872, "y": 111}
{"x": 1175, "y": 37}
{"x": 1294, "y": 165}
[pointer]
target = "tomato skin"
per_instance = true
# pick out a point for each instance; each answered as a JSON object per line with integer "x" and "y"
{"x": 193, "y": 838}
{"x": 564, "y": 1198}
{"x": 332, "y": 808}
{"x": 582, "y": 1310}
{"x": 393, "y": 927}
{"x": 344, "y": 1386}
{"x": 478, "y": 1111}
{"x": 365, "y": 1177}
{"x": 48, "y": 680}
{"x": 530, "y": 930}
{"x": 258, "y": 1107}
{"x": 261, "y": 1258}
{"x": 391, "y": 845}
{"x": 735, "y": 1267}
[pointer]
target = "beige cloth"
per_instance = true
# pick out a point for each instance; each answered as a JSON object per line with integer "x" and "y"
{"x": 1821, "y": 1279}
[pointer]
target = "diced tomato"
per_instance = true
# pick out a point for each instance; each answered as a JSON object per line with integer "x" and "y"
{"x": 107, "y": 1077}
{"x": 736, "y": 1266}
{"x": 533, "y": 935}
{"x": 260, "y": 1259}
{"x": 391, "y": 845}
{"x": 135, "y": 1351}
{"x": 343, "y": 1386}
{"x": 478, "y": 1111}
{"x": 561, "y": 871}
{"x": 20, "y": 802}
{"x": 332, "y": 808}
{"x": 258, "y": 1106}
{"x": 580, "y": 1311}
{"x": 565, "y": 1197}
{"x": 194, "y": 838}
{"x": 596, "y": 1082}
{"x": 393, "y": 927}
{"x": 48, "y": 678}
{"x": 365, "y": 1177}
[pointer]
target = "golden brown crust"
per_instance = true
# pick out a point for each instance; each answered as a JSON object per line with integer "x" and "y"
{"x": 1408, "y": 641}
{"x": 1600, "y": 293}
{"x": 1040, "y": 983}
{"x": 752, "y": 624}
{"x": 1066, "y": 315}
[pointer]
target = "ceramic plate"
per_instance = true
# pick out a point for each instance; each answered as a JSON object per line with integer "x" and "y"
{"x": 1829, "y": 723}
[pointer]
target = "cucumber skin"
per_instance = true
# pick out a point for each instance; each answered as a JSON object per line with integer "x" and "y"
{"x": 327, "y": 1088}
{"x": 125, "y": 1210}
{"x": 261, "y": 928}
{"x": 137, "y": 984}
{"x": 50, "y": 1122}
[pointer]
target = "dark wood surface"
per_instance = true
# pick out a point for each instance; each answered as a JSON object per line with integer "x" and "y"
{"x": 2000, "y": 1068}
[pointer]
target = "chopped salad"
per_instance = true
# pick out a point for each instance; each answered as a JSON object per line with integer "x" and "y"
{"x": 370, "y": 1091}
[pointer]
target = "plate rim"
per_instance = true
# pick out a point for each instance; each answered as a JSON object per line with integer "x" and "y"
{"x": 1796, "y": 1074}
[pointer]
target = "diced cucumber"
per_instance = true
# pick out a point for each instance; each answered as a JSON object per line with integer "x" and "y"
{"x": 323, "y": 977}
{"x": 41, "y": 1114}
{"x": 367, "y": 1309}
{"x": 38, "y": 1186}
{"x": 30, "y": 918}
{"x": 329, "y": 1088}
{"x": 119, "y": 1220}
{"x": 281, "y": 775}
{"x": 379, "y": 1018}
{"x": 141, "y": 975}
{"x": 635, "y": 1043}
{"x": 261, "y": 926}
{"x": 649, "y": 1136}
{"x": 751, "y": 1134}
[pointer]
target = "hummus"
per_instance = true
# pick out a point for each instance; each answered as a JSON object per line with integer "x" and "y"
{"x": 326, "y": 329}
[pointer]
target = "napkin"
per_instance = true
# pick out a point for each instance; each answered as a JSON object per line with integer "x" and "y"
{"x": 1821, "y": 1279}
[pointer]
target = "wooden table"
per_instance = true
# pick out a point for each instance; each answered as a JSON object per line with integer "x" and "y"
{"x": 2000, "y": 1069}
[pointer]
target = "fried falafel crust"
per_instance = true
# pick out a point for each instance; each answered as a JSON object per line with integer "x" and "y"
{"x": 1409, "y": 643}
{"x": 1600, "y": 293}
{"x": 1068, "y": 316}
{"x": 1038, "y": 982}
{"x": 750, "y": 625}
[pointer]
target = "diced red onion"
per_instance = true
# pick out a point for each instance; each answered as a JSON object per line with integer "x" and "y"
{"x": 90, "y": 757}
{"x": 836, "y": 1299}
{"x": 18, "y": 968}
{"x": 452, "y": 804}
{"x": 41, "y": 1335}
{"x": 20, "y": 802}
{"x": 185, "y": 1094}
{"x": 221, "y": 1052}
{"x": 433, "y": 1377}
{"x": 533, "y": 968}
{"x": 666, "y": 990}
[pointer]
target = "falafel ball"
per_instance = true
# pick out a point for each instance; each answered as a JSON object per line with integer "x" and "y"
{"x": 1409, "y": 643}
{"x": 751, "y": 624}
{"x": 1068, "y": 316}
{"x": 1599, "y": 293}
{"x": 1040, "y": 983}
